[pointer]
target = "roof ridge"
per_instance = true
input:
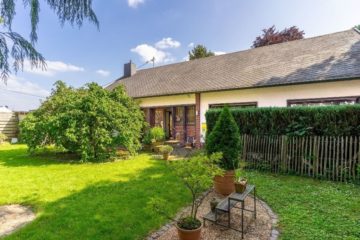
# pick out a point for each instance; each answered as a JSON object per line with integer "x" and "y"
{"x": 250, "y": 49}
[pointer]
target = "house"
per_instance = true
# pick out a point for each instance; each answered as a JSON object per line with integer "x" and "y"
{"x": 321, "y": 70}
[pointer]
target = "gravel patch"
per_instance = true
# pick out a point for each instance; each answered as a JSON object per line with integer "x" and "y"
{"x": 264, "y": 227}
{"x": 13, "y": 217}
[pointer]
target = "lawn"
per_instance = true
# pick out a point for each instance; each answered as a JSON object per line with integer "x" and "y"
{"x": 108, "y": 200}
{"x": 86, "y": 201}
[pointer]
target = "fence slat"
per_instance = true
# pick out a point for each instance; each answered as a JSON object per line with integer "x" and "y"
{"x": 324, "y": 157}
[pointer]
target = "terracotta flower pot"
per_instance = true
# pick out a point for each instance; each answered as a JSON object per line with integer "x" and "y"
{"x": 185, "y": 234}
{"x": 225, "y": 184}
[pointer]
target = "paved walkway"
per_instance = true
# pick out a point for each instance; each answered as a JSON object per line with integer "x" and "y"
{"x": 263, "y": 228}
{"x": 13, "y": 217}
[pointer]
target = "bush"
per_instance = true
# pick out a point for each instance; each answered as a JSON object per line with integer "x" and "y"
{"x": 294, "y": 121}
{"x": 147, "y": 139}
{"x": 90, "y": 121}
{"x": 2, "y": 138}
{"x": 157, "y": 133}
{"x": 225, "y": 138}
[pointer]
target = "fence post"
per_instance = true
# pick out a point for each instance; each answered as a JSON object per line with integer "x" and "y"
{"x": 283, "y": 155}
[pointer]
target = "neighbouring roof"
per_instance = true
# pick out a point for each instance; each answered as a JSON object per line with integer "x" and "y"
{"x": 4, "y": 109}
{"x": 333, "y": 56}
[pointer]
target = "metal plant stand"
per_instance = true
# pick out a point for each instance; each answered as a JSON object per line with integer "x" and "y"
{"x": 225, "y": 206}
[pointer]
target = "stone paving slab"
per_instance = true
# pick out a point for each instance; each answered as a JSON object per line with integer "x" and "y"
{"x": 13, "y": 217}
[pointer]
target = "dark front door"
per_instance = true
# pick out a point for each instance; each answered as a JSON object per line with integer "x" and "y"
{"x": 168, "y": 123}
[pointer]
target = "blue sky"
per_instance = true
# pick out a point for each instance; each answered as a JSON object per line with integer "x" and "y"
{"x": 166, "y": 29}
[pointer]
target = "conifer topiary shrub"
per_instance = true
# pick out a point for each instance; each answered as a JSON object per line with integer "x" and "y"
{"x": 225, "y": 138}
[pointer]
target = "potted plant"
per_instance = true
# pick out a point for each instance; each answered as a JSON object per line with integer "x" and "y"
{"x": 196, "y": 173}
{"x": 157, "y": 137}
{"x": 225, "y": 138}
{"x": 166, "y": 150}
{"x": 240, "y": 180}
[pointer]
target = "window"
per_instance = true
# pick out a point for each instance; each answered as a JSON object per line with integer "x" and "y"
{"x": 179, "y": 119}
{"x": 324, "y": 101}
{"x": 190, "y": 115}
{"x": 234, "y": 105}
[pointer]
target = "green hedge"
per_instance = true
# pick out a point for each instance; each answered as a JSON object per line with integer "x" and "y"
{"x": 294, "y": 121}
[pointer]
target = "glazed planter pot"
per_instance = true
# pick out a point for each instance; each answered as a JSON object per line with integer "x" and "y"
{"x": 240, "y": 186}
{"x": 225, "y": 184}
{"x": 185, "y": 234}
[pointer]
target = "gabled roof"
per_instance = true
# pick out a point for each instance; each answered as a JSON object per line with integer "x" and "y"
{"x": 333, "y": 56}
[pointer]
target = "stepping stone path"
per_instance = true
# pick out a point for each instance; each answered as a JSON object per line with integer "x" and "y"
{"x": 13, "y": 217}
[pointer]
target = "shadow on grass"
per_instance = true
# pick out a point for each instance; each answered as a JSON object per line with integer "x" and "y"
{"x": 21, "y": 157}
{"x": 109, "y": 210}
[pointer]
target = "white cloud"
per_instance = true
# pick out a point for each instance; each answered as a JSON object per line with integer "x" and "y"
{"x": 191, "y": 45}
{"x": 103, "y": 73}
{"x": 147, "y": 52}
{"x": 23, "y": 86}
{"x": 52, "y": 67}
{"x": 135, "y": 3}
{"x": 167, "y": 43}
{"x": 219, "y": 53}
{"x": 186, "y": 58}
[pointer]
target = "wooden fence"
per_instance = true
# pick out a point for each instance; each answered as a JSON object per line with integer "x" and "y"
{"x": 323, "y": 157}
{"x": 9, "y": 124}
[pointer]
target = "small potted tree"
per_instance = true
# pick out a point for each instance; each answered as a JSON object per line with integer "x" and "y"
{"x": 166, "y": 150}
{"x": 225, "y": 138}
{"x": 196, "y": 173}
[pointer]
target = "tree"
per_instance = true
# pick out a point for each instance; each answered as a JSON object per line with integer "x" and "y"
{"x": 15, "y": 49}
{"x": 200, "y": 51}
{"x": 225, "y": 138}
{"x": 197, "y": 175}
{"x": 89, "y": 121}
{"x": 272, "y": 36}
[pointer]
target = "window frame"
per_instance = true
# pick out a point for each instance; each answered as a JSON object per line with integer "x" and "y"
{"x": 290, "y": 102}
{"x": 233, "y": 105}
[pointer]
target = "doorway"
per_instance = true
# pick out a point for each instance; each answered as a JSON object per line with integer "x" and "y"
{"x": 168, "y": 123}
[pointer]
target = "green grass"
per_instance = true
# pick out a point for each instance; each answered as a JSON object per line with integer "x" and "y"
{"x": 108, "y": 200}
{"x": 86, "y": 201}
{"x": 311, "y": 209}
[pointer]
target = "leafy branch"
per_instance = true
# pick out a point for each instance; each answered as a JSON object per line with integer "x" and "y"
{"x": 72, "y": 11}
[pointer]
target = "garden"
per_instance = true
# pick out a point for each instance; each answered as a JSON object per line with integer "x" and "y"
{"x": 86, "y": 169}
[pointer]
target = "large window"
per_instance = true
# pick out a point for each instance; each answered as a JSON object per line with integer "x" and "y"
{"x": 190, "y": 115}
{"x": 234, "y": 105}
{"x": 324, "y": 101}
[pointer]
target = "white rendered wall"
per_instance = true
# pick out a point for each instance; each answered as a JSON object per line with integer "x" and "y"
{"x": 167, "y": 100}
{"x": 265, "y": 97}
{"x": 278, "y": 96}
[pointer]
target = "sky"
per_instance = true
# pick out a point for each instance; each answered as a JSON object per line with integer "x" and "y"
{"x": 138, "y": 30}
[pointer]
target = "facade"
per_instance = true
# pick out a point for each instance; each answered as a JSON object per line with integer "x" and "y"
{"x": 323, "y": 70}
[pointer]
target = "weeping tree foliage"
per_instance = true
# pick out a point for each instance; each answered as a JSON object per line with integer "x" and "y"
{"x": 15, "y": 49}
{"x": 200, "y": 51}
{"x": 89, "y": 121}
